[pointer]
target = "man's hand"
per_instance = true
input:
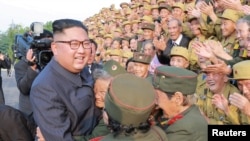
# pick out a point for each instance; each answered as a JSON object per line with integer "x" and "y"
{"x": 1, "y": 56}
{"x": 246, "y": 9}
{"x": 31, "y": 58}
{"x": 241, "y": 102}
{"x": 220, "y": 102}
{"x": 159, "y": 44}
{"x": 220, "y": 67}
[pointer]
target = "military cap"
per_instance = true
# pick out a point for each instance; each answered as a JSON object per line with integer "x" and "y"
{"x": 108, "y": 36}
{"x": 130, "y": 100}
{"x": 230, "y": 15}
{"x": 142, "y": 58}
{"x": 147, "y": 1}
{"x": 113, "y": 68}
{"x": 191, "y": 18}
{"x": 165, "y": 6}
{"x": 161, "y": 1}
{"x": 134, "y": 6}
{"x": 140, "y": 5}
{"x": 124, "y": 4}
{"x": 241, "y": 70}
{"x": 179, "y": 51}
{"x": 119, "y": 17}
{"x": 148, "y": 19}
{"x": 179, "y": 5}
{"x": 155, "y": 6}
{"x": 118, "y": 30}
{"x": 115, "y": 52}
{"x": 147, "y": 7}
{"x": 139, "y": 32}
{"x": 135, "y": 21}
{"x": 128, "y": 11}
{"x": 171, "y": 79}
{"x": 125, "y": 38}
{"x": 150, "y": 26}
{"x": 127, "y": 54}
{"x": 126, "y": 22}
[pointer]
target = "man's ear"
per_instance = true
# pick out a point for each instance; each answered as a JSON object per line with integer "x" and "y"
{"x": 178, "y": 98}
{"x": 54, "y": 48}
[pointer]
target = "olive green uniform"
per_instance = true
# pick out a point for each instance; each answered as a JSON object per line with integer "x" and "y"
{"x": 192, "y": 123}
{"x": 215, "y": 115}
{"x": 231, "y": 45}
{"x": 154, "y": 134}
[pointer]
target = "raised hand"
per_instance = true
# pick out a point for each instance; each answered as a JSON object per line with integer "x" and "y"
{"x": 241, "y": 102}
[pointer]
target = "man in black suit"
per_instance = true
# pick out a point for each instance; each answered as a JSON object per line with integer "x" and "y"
{"x": 176, "y": 38}
{"x": 92, "y": 64}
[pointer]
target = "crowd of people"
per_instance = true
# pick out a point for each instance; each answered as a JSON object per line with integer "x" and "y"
{"x": 150, "y": 70}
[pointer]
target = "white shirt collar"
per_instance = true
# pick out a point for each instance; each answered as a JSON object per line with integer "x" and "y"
{"x": 178, "y": 40}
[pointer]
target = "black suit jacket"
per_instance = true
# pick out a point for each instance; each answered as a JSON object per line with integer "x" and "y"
{"x": 24, "y": 78}
{"x": 164, "y": 57}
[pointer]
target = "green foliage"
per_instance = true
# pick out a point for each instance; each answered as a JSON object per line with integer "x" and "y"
{"x": 48, "y": 26}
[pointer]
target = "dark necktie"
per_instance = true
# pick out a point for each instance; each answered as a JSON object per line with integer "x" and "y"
{"x": 174, "y": 43}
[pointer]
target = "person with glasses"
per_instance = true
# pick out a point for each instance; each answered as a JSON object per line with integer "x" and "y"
{"x": 61, "y": 96}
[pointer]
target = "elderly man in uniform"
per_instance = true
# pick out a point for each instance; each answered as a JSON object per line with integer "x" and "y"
{"x": 182, "y": 119}
{"x": 179, "y": 57}
{"x": 242, "y": 101}
{"x": 208, "y": 94}
{"x": 148, "y": 34}
{"x": 141, "y": 65}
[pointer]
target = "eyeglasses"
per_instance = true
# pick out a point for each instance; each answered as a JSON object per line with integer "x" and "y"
{"x": 74, "y": 44}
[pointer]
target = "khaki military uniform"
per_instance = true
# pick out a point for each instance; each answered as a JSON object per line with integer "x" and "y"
{"x": 193, "y": 58}
{"x": 244, "y": 119}
{"x": 241, "y": 72}
{"x": 231, "y": 45}
{"x": 217, "y": 116}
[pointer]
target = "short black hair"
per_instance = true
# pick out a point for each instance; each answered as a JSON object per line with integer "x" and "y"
{"x": 94, "y": 42}
{"x": 61, "y": 24}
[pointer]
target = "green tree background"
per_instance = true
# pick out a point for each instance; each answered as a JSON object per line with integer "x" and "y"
{"x": 7, "y": 38}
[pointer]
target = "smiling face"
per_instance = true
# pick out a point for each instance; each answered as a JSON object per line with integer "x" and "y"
{"x": 72, "y": 60}
{"x": 244, "y": 87}
{"x": 100, "y": 89}
{"x": 243, "y": 31}
{"x": 141, "y": 69}
{"x": 216, "y": 82}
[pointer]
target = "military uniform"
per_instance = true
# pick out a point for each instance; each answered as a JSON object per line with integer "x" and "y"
{"x": 129, "y": 102}
{"x": 144, "y": 59}
{"x": 216, "y": 115}
{"x": 230, "y": 44}
{"x": 141, "y": 44}
{"x": 241, "y": 72}
{"x": 190, "y": 124}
